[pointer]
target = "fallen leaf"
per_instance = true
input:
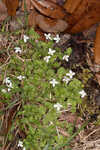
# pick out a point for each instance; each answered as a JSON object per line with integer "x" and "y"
{"x": 72, "y": 5}
{"x": 51, "y": 25}
{"x": 46, "y": 24}
{"x": 88, "y": 19}
{"x": 11, "y": 6}
{"x": 49, "y": 9}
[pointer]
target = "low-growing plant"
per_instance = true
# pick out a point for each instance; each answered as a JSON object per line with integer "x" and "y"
{"x": 35, "y": 76}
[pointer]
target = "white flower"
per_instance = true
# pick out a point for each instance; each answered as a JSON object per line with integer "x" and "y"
{"x": 66, "y": 79}
{"x": 57, "y": 38}
{"x": 51, "y": 52}
{"x": 53, "y": 82}
{"x": 20, "y": 144}
{"x": 48, "y": 36}
{"x": 70, "y": 74}
{"x": 8, "y": 82}
{"x": 17, "y": 50}
{"x": 58, "y": 106}
{"x": 26, "y": 38}
{"x": 65, "y": 57}
{"x": 9, "y": 89}
{"x": 47, "y": 58}
{"x": 3, "y": 91}
{"x": 21, "y": 77}
{"x": 51, "y": 123}
{"x": 82, "y": 93}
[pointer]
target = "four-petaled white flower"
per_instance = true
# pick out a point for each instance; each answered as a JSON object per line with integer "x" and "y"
{"x": 17, "y": 50}
{"x": 46, "y": 58}
{"x": 20, "y": 144}
{"x": 48, "y": 36}
{"x": 58, "y": 106}
{"x": 9, "y": 89}
{"x": 82, "y": 93}
{"x": 65, "y": 57}
{"x": 21, "y": 77}
{"x": 70, "y": 74}
{"x": 66, "y": 79}
{"x": 51, "y": 52}
{"x": 8, "y": 82}
{"x": 57, "y": 38}
{"x": 26, "y": 38}
{"x": 53, "y": 82}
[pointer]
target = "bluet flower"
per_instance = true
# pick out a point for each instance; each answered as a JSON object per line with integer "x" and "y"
{"x": 53, "y": 82}
{"x": 26, "y": 38}
{"x": 66, "y": 57}
{"x": 46, "y": 58}
{"x": 57, "y": 38}
{"x": 66, "y": 79}
{"x": 21, "y": 77}
{"x": 51, "y": 52}
{"x": 82, "y": 93}
{"x": 20, "y": 144}
{"x": 17, "y": 50}
{"x": 8, "y": 82}
{"x": 70, "y": 74}
{"x": 58, "y": 106}
{"x": 48, "y": 36}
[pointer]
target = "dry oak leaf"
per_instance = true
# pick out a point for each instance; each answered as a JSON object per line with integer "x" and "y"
{"x": 11, "y": 6}
{"x": 92, "y": 17}
{"x": 71, "y": 5}
{"x": 46, "y": 24}
{"x": 84, "y": 15}
{"x": 51, "y": 25}
{"x": 49, "y": 9}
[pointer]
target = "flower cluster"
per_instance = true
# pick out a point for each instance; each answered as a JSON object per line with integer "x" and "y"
{"x": 48, "y": 37}
{"x": 18, "y": 50}
{"x": 68, "y": 76}
{"x": 8, "y": 83}
{"x": 50, "y": 52}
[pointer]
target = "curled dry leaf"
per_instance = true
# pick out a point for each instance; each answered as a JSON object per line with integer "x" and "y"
{"x": 45, "y": 23}
{"x": 51, "y": 25}
{"x": 87, "y": 19}
{"x": 71, "y": 5}
{"x": 49, "y": 9}
{"x": 11, "y": 6}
